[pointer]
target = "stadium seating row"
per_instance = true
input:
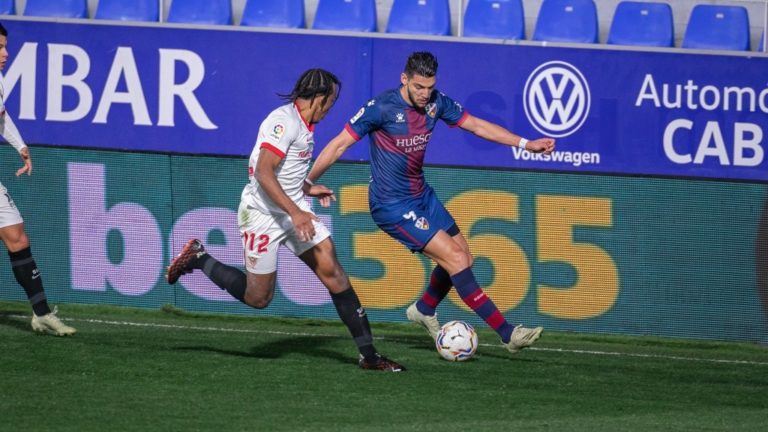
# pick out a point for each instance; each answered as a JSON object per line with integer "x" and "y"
{"x": 634, "y": 23}
{"x": 643, "y": 24}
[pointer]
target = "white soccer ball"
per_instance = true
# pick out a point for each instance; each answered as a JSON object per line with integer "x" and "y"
{"x": 456, "y": 341}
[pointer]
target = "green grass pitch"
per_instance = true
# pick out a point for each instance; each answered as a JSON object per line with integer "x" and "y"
{"x": 142, "y": 370}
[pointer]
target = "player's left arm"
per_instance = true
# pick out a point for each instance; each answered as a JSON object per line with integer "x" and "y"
{"x": 493, "y": 132}
{"x": 27, "y": 159}
{"x": 267, "y": 179}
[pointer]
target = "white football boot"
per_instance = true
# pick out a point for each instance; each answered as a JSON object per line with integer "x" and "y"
{"x": 430, "y": 323}
{"x": 523, "y": 338}
{"x": 51, "y": 324}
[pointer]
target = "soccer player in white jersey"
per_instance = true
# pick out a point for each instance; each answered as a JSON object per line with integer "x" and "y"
{"x": 12, "y": 225}
{"x": 274, "y": 211}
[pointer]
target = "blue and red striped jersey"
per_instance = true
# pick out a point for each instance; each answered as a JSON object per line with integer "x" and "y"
{"x": 399, "y": 134}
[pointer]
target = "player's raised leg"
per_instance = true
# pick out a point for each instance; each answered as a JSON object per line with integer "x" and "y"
{"x": 255, "y": 290}
{"x": 450, "y": 254}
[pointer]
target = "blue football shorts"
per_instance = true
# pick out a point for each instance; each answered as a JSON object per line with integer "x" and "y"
{"x": 413, "y": 222}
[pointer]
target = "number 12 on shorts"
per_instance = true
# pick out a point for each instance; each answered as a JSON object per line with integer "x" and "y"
{"x": 252, "y": 241}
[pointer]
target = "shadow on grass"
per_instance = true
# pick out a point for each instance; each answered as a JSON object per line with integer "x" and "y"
{"x": 15, "y": 320}
{"x": 485, "y": 351}
{"x": 304, "y": 345}
{"x": 502, "y": 354}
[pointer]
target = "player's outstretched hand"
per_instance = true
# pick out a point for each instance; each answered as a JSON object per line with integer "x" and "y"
{"x": 322, "y": 193}
{"x": 27, "y": 168}
{"x": 541, "y": 145}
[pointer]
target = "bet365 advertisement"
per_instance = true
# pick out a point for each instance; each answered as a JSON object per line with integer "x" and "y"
{"x": 573, "y": 252}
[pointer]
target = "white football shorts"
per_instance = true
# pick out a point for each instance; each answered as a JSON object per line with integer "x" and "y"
{"x": 9, "y": 214}
{"x": 262, "y": 235}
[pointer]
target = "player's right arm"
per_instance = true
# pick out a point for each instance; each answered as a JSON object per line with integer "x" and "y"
{"x": 330, "y": 154}
{"x": 365, "y": 121}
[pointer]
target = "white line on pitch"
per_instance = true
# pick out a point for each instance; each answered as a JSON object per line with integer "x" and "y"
{"x": 654, "y": 356}
{"x": 562, "y": 350}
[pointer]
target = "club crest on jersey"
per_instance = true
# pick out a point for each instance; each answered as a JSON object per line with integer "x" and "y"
{"x": 422, "y": 223}
{"x": 371, "y": 102}
{"x": 357, "y": 116}
{"x": 431, "y": 109}
{"x": 400, "y": 118}
{"x": 277, "y": 131}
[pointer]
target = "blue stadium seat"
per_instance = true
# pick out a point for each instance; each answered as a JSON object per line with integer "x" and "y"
{"x": 644, "y": 24}
{"x": 717, "y": 27}
{"x": 57, "y": 8}
{"x": 128, "y": 10}
{"x": 274, "y": 13}
{"x": 7, "y": 7}
{"x": 500, "y": 19}
{"x": 200, "y": 12}
{"x": 567, "y": 21}
{"x": 429, "y": 17}
{"x": 352, "y": 15}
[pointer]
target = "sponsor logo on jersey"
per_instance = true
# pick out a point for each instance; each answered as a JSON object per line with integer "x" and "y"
{"x": 357, "y": 116}
{"x": 400, "y": 118}
{"x": 422, "y": 223}
{"x": 277, "y": 131}
{"x": 306, "y": 154}
{"x": 414, "y": 143}
{"x": 431, "y": 109}
{"x": 556, "y": 99}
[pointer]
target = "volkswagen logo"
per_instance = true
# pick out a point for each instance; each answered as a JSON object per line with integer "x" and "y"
{"x": 556, "y": 99}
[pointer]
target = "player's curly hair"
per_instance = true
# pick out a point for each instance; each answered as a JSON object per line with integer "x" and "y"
{"x": 313, "y": 82}
{"x": 3, "y": 31}
{"x": 422, "y": 63}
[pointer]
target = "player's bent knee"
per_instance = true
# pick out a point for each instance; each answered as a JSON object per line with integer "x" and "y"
{"x": 257, "y": 302}
{"x": 460, "y": 259}
{"x": 258, "y": 297}
{"x": 15, "y": 238}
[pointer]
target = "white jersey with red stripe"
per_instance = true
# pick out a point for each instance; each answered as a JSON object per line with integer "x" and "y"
{"x": 285, "y": 133}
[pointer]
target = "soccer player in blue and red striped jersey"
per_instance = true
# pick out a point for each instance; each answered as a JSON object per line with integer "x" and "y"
{"x": 400, "y": 123}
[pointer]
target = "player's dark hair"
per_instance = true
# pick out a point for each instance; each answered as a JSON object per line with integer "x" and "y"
{"x": 421, "y": 63}
{"x": 313, "y": 82}
{"x": 3, "y": 31}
